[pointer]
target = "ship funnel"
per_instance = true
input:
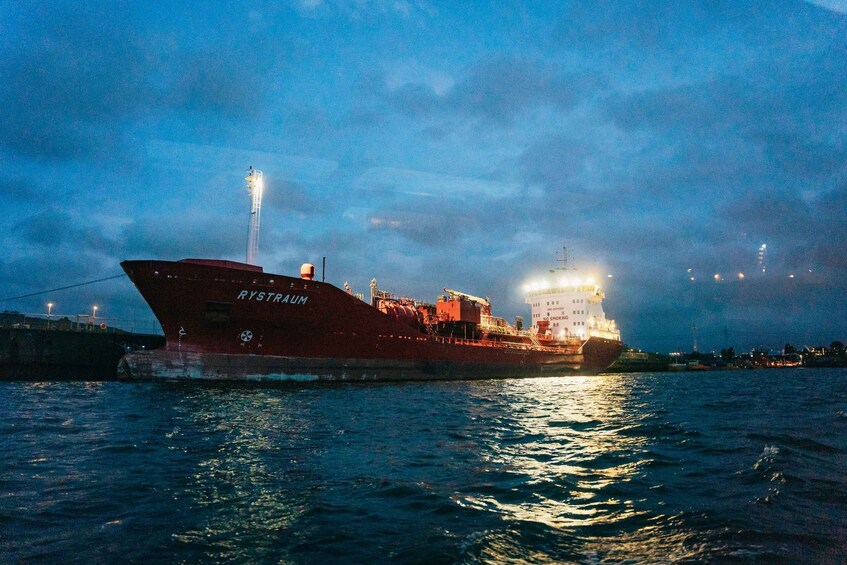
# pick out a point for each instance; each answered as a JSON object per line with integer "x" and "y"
{"x": 307, "y": 271}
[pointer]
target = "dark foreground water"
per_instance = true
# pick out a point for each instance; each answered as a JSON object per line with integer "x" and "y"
{"x": 727, "y": 466}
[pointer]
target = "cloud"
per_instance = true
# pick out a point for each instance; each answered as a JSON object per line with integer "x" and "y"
{"x": 72, "y": 82}
{"x": 18, "y": 189}
{"x": 767, "y": 214}
{"x": 44, "y": 269}
{"x": 839, "y": 6}
{"x": 215, "y": 84}
{"x": 202, "y": 158}
{"x": 655, "y": 33}
{"x": 430, "y": 229}
{"x": 66, "y": 74}
{"x": 634, "y": 25}
{"x": 558, "y": 163}
{"x": 428, "y": 184}
{"x": 176, "y": 236}
{"x": 498, "y": 90}
{"x": 362, "y": 9}
{"x": 55, "y": 229}
{"x": 293, "y": 197}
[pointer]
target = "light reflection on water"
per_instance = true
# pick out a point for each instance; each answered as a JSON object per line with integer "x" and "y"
{"x": 564, "y": 441}
{"x": 577, "y": 469}
{"x": 235, "y": 483}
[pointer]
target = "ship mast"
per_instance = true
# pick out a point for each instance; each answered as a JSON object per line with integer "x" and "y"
{"x": 563, "y": 260}
{"x": 255, "y": 185}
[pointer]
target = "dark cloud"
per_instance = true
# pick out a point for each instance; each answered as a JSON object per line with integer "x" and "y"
{"x": 42, "y": 268}
{"x": 651, "y": 31}
{"x": 54, "y": 229}
{"x": 19, "y": 189}
{"x": 424, "y": 228}
{"x": 556, "y": 163}
{"x": 499, "y": 90}
{"x": 293, "y": 197}
{"x": 759, "y": 115}
{"x": 770, "y": 215}
{"x": 706, "y": 108}
{"x": 179, "y": 236}
{"x": 310, "y": 120}
{"x": 74, "y": 79}
{"x": 69, "y": 71}
{"x": 635, "y": 24}
{"x": 216, "y": 84}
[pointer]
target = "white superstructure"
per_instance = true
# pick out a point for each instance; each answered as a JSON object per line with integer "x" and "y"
{"x": 572, "y": 307}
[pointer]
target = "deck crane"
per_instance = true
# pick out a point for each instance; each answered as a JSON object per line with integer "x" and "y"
{"x": 484, "y": 302}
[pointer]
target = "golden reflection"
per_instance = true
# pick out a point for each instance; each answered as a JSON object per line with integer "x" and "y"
{"x": 237, "y": 483}
{"x": 571, "y": 441}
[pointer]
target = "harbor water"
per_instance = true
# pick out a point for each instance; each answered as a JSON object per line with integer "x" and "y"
{"x": 737, "y": 466}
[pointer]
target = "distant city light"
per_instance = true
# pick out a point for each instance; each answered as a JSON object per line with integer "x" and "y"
{"x": 717, "y": 277}
{"x": 741, "y": 276}
{"x": 761, "y": 257}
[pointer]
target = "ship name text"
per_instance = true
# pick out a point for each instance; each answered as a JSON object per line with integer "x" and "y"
{"x": 272, "y": 297}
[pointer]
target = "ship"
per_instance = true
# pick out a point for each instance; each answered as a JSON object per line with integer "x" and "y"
{"x": 232, "y": 321}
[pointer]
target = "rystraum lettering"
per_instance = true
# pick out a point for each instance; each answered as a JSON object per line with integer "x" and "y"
{"x": 261, "y": 296}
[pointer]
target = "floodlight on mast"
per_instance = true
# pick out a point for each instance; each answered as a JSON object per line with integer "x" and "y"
{"x": 255, "y": 186}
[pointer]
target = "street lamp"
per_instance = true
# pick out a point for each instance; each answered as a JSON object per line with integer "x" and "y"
{"x": 49, "y": 308}
{"x": 94, "y": 311}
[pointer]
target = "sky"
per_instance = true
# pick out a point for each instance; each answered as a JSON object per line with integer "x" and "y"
{"x": 439, "y": 144}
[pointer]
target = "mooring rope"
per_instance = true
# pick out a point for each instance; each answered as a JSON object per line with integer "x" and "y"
{"x": 60, "y": 288}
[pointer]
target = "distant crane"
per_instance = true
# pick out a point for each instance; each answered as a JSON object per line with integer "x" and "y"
{"x": 255, "y": 186}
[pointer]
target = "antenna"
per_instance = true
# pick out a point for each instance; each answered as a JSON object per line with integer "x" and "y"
{"x": 255, "y": 186}
{"x": 563, "y": 258}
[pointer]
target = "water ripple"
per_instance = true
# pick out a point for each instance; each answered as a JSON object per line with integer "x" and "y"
{"x": 737, "y": 466}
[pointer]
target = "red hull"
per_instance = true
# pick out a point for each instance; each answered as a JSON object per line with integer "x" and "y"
{"x": 216, "y": 312}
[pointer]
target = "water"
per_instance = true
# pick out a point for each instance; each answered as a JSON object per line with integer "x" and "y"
{"x": 725, "y": 466}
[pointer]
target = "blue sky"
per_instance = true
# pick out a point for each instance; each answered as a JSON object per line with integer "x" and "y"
{"x": 430, "y": 144}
